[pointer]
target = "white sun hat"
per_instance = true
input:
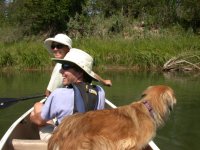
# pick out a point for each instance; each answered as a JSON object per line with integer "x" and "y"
{"x": 59, "y": 38}
{"x": 81, "y": 59}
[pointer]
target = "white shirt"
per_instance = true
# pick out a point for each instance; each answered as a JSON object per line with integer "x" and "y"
{"x": 56, "y": 78}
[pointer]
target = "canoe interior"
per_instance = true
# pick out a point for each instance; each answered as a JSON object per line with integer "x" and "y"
{"x": 24, "y": 130}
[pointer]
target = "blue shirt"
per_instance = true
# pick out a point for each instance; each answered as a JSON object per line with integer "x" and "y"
{"x": 60, "y": 103}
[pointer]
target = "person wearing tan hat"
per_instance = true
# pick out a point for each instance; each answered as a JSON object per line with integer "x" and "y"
{"x": 78, "y": 95}
{"x": 59, "y": 46}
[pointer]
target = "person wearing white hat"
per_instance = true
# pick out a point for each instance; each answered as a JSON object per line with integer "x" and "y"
{"x": 78, "y": 95}
{"x": 59, "y": 46}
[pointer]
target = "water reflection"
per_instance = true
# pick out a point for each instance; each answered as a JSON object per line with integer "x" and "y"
{"x": 181, "y": 131}
{"x": 23, "y": 83}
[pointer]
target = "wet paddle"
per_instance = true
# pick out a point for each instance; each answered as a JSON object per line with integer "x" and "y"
{"x": 6, "y": 102}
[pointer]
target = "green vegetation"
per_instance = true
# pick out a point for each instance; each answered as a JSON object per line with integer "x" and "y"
{"x": 85, "y": 16}
{"x": 25, "y": 54}
{"x": 140, "y": 34}
{"x": 137, "y": 52}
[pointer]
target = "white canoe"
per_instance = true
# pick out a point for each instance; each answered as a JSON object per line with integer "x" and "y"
{"x": 23, "y": 135}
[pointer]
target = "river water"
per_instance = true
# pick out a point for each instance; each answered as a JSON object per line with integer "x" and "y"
{"x": 181, "y": 131}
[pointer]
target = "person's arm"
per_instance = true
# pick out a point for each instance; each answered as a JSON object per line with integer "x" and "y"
{"x": 35, "y": 115}
{"x": 103, "y": 81}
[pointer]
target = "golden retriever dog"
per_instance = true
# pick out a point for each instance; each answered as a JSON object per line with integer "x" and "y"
{"x": 128, "y": 127}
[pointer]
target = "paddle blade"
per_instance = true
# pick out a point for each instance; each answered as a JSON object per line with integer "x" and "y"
{"x": 2, "y": 100}
{"x": 6, "y": 104}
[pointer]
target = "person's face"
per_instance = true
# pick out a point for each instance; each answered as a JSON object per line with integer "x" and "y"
{"x": 59, "y": 50}
{"x": 70, "y": 75}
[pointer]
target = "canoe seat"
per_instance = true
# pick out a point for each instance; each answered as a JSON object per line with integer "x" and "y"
{"x": 23, "y": 144}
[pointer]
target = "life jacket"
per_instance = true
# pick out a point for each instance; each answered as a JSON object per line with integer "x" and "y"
{"x": 85, "y": 97}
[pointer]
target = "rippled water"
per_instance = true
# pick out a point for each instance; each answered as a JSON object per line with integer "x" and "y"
{"x": 181, "y": 131}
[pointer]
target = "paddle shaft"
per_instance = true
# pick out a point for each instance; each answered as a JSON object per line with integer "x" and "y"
{"x": 5, "y": 102}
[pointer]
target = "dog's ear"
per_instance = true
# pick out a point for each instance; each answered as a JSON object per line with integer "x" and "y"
{"x": 169, "y": 98}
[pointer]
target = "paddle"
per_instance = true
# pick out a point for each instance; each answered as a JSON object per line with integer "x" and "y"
{"x": 5, "y": 102}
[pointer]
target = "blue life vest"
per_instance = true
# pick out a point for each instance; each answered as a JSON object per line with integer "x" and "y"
{"x": 85, "y": 97}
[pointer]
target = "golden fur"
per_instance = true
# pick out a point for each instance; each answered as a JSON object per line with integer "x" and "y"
{"x": 128, "y": 127}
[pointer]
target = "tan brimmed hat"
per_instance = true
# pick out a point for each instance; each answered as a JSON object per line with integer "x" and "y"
{"x": 59, "y": 38}
{"x": 80, "y": 58}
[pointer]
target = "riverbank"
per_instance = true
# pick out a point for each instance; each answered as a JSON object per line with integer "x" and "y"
{"x": 145, "y": 50}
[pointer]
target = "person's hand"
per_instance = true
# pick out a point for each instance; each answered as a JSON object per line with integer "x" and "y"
{"x": 47, "y": 93}
{"x": 107, "y": 82}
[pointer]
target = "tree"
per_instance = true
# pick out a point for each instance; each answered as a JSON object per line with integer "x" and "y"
{"x": 44, "y": 16}
{"x": 3, "y": 12}
{"x": 188, "y": 14}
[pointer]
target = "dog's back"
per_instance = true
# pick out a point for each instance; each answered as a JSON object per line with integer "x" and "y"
{"x": 95, "y": 129}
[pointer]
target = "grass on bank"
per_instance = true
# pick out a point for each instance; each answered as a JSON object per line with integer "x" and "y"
{"x": 139, "y": 53}
{"x": 146, "y": 50}
{"x": 25, "y": 54}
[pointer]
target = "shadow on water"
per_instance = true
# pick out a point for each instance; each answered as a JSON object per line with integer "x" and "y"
{"x": 181, "y": 131}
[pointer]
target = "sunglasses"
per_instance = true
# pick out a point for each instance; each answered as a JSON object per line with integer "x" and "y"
{"x": 66, "y": 66}
{"x": 58, "y": 46}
